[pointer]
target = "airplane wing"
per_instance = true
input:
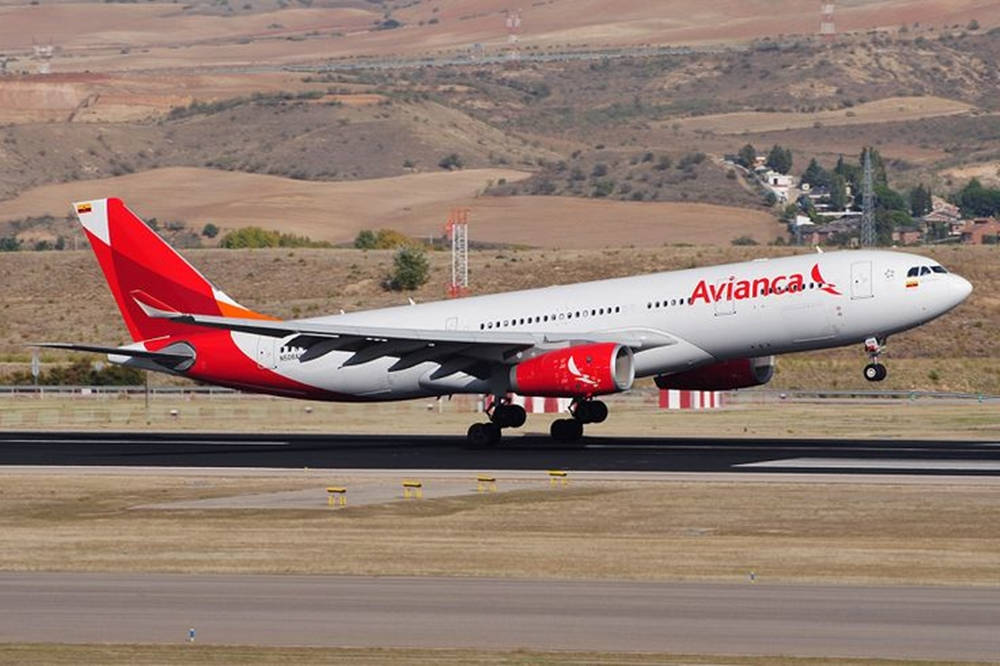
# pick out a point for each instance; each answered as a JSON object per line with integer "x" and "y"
{"x": 370, "y": 342}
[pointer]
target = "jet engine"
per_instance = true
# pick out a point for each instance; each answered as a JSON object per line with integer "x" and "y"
{"x": 580, "y": 371}
{"x": 722, "y": 376}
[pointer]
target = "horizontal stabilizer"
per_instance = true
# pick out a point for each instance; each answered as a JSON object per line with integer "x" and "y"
{"x": 169, "y": 358}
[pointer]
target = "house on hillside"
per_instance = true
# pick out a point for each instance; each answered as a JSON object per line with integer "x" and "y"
{"x": 944, "y": 214}
{"x": 981, "y": 231}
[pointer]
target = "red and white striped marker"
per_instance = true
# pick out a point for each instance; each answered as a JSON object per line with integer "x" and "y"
{"x": 680, "y": 399}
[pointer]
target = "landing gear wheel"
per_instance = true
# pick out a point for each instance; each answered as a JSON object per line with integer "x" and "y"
{"x": 566, "y": 430}
{"x": 590, "y": 411}
{"x": 483, "y": 434}
{"x": 875, "y": 372}
{"x": 509, "y": 416}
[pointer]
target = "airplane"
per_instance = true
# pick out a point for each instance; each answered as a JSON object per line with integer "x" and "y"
{"x": 711, "y": 328}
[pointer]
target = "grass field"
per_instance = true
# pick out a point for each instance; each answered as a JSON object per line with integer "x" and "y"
{"x": 114, "y": 655}
{"x": 890, "y": 109}
{"x": 419, "y": 205}
{"x": 631, "y": 415}
{"x": 883, "y": 531}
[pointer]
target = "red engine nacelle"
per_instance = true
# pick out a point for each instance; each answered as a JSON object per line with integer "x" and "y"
{"x": 581, "y": 371}
{"x": 734, "y": 374}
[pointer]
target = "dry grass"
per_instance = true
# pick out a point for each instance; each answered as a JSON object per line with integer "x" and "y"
{"x": 63, "y": 296}
{"x": 419, "y": 205}
{"x": 632, "y": 415}
{"x": 885, "y": 532}
{"x": 31, "y": 654}
{"x": 890, "y": 109}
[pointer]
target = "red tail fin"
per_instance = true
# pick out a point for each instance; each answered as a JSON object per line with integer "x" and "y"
{"x": 137, "y": 263}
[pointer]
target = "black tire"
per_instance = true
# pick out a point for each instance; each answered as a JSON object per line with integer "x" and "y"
{"x": 509, "y": 416}
{"x": 598, "y": 412}
{"x": 482, "y": 435}
{"x": 566, "y": 430}
{"x": 871, "y": 372}
{"x": 881, "y": 372}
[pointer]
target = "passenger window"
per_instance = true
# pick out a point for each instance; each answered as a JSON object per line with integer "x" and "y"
{"x": 924, "y": 270}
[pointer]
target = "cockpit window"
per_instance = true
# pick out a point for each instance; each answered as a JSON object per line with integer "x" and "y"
{"x": 913, "y": 272}
{"x": 924, "y": 270}
{"x": 938, "y": 269}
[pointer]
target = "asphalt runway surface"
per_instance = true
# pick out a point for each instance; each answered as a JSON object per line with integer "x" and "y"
{"x": 277, "y": 450}
{"x": 749, "y": 618}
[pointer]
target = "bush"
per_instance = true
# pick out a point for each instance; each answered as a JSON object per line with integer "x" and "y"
{"x": 82, "y": 373}
{"x": 365, "y": 240}
{"x": 210, "y": 230}
{"x": 452, "y": 161}
{"x": 410, "y": 269}
{"x": 743, "y": 240}
{"x": 255, "y": 237}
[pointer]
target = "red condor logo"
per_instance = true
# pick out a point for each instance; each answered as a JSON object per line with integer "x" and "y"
{"x": 733, "y": 289}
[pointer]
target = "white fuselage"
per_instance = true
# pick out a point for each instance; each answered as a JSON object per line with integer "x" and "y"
{"x": 710, "y": 314}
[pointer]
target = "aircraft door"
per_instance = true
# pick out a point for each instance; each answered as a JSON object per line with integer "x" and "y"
{"x": 861, "y": 280}
{"x": 266, "y": 357}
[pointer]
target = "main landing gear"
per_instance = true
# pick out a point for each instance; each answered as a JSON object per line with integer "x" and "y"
{"x": 875, "y": 371}
{"x": 502, "y": 414}
{"x": 583, "y": 411}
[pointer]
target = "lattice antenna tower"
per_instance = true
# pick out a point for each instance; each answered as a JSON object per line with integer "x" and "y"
{"x": 458, "y": 232}
{"x": 868, "y": 204}
{"x": 827, "y": 28}
{"x": 513, "y": 22}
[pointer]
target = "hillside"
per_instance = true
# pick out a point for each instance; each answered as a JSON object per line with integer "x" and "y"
{"x": 417, "y": 204}
{"x": 63, "y": 296}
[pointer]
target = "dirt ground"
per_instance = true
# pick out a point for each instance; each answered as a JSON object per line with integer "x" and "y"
{"x": 884, "y": 531}
{"x": 892, "y": 109}
{"x": 419, "y": 206}
{"x": 102, "y": 37}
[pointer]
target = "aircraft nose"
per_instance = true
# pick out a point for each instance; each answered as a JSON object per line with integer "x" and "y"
{"x": 961, "y": 287}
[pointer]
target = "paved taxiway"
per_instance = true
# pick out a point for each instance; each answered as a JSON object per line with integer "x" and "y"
{"x": 925, "y": 622}
{"x": 277, "y": 450}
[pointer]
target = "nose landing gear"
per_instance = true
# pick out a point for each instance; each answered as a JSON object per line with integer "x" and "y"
{"x": 874, "y": 371}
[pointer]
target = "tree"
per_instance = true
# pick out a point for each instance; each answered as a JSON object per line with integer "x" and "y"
{"x": 920, "y": 200}
{"x": 779, "y": 159}
{"x": 815, "y": 175}
{"x": 10, "y": 244}
{"x": 976, "y": 200}
{"x": 210, "y": 230}
{"x": 747, "y": 156}
{"x": 838, "y": 192}
{"x": 365, "y": 240}
{"x": 410, "y": 269}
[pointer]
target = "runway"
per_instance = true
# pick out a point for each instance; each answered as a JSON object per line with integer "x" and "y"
{"x": 888, "y": 622}
{"x": 530, "y": 452}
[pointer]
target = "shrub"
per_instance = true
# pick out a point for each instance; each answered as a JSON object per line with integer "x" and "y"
{"x": 210, "y": 230}
{"x": 365, "y": 240}
{"x": 410, "y": 269}
{"x": 743, "y": 240}
{"x": 452, "y": 161}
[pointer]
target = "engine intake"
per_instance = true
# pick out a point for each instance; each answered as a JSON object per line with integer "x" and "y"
{"x": 581, "y": 371}
{"x": 723, "y": 376}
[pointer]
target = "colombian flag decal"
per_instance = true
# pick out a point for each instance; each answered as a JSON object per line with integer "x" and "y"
{"x": 912, "y": 283}
{"x": 83, "y": 208}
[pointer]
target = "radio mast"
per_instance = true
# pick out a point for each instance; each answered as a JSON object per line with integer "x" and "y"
{"x": 867, "y": 204}
{"x": 458, "y": 231}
